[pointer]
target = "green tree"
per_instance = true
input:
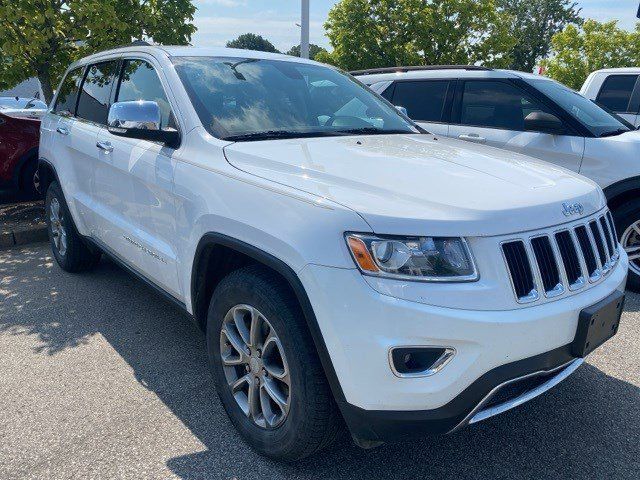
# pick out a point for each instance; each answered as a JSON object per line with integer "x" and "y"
{"x": 533, "y": 23}
{"x": 42, "y": 37}
{"x": 576, "y": 52}
{"x": 379, "y": 33}
{"x": 251, "y": 41}
{"x": 313, "y": 50}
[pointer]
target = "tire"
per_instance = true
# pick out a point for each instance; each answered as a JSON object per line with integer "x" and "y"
{"x": 28, "y": 179}
{"x": 625, "y": 217}
{"x": 312, "y": 421}
{"x": 69, "y": 249}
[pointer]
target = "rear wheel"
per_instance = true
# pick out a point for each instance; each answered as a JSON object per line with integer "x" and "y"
{"x": 70, "y": 251}
{"x": 29, "y": 179}
{"x": 627, "y": 220}
{"x": 266, "y": 369}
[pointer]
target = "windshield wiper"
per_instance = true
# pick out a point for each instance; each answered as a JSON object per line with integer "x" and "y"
{"x": 274, "y": 135}
{"x": 370, "y": 131}
{"x": 613, "y": 133}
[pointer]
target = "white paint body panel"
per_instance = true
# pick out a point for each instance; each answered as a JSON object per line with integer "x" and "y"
{"x": 295, "y": 199}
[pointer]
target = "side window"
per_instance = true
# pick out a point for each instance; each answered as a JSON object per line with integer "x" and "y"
{"x": 93, "y": 104}
{"x": 66, "y": 99}
{"x": 424, "y": 100}
{"x": 140, "y": 82}
{"x": 616, "y": 91}
{"x": 388, "y": 92}
{"x": 496, "y": 105}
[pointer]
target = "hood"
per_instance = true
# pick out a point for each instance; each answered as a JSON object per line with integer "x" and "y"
{"x": 420, "y": 185}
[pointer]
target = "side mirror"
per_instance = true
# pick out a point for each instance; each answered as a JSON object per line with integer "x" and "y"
{"x": 140, "y": 119}
{"x": 544, "y": 122}
{"x": 402, "y": 110}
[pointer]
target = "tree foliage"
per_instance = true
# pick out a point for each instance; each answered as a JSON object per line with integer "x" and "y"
{"x": 378, "y": 33}
{"x": 42, "y": 37}
{"x": 314, "y": 50}
{"x": 576, "y": 52}
{"x": 533, "y": 23}
{"x": 251, "y": 41}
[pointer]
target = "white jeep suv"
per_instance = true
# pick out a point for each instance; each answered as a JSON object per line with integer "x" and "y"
{"x": 527, "y": 114}
{"x": 346, "y": 267}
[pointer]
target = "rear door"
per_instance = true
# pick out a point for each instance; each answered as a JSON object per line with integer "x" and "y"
{"x": 63, "y": 143}
{"x": 621, "y": 95}
{"x": 428, "y": 102}
{"x": 492, "y": 112}
{"x": 134, "y": 184}
{"x": 91, "y": 117}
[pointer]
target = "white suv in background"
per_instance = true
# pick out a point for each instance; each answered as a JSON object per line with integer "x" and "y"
{"x": 527, "y": 114}
{"x": 345, "y": 266}
{"x": 616, "y": 89}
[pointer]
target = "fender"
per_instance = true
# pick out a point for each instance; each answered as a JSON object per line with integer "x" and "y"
{"x": 294, "y": 282}
{"x": 619, "y": 192}
{"x": 43, "y": 165}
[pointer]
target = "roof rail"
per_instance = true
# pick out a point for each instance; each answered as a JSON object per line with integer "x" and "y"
{"x": 135, "y": 43}
{"x": 373, "y": 71}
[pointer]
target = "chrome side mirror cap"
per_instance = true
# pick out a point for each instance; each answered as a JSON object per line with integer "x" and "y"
{"x": 142, "y": 120}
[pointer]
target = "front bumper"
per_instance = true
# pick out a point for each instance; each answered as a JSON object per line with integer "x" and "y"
{"x": 359, "y": 325}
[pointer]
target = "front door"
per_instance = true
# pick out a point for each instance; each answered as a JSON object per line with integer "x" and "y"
{"x": 134, "y": 186}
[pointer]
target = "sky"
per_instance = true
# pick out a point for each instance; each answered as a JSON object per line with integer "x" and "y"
{"x": 221, "y": 20}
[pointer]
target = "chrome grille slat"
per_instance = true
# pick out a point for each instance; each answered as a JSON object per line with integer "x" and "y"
{"x": 596, "y": 237}
{"x": 570, "y": 259}
{"x": 547, "y": 265}
{"x": 607, "y": 236}
{"x": 556, "y": 262}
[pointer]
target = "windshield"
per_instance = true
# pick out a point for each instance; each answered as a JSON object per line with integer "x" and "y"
{"x": 596, "y": 119}
{"x": 253, "y": 99}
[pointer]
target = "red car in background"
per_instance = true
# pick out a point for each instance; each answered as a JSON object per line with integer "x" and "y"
{"x": 19, "y": 139}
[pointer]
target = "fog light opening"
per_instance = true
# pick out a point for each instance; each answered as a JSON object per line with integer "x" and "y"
{"x": 419, "y": 361}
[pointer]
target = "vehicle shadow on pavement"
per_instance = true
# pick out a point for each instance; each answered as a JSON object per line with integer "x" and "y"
{"x": 588, "y": 427}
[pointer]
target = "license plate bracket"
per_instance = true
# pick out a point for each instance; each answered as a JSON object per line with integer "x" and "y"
{"x": 597, "y": 324}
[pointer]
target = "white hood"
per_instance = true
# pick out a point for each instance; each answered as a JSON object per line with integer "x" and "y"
{"x": 417, "y": 185}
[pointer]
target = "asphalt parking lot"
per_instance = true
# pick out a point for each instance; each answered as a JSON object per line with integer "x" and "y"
{"x": 102, "y": 378}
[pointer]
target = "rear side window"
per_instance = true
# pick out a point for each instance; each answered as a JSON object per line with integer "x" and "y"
{"x": 93, "y": 104}
{"x": 66, "y": 99}
{"x": 140, "y": 82}
{"x": 616, "y": 92}
{"x": 497, "y": 105}
{"x": 424, "y": 100}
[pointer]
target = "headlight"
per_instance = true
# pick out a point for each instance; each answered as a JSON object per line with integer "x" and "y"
{"x": 427, "y": 259}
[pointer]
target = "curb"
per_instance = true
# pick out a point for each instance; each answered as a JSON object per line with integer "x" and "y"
{"x": 23, "y": 236}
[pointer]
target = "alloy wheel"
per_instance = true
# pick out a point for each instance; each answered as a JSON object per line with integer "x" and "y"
{"x": 58, "y": 230}
{"x": 631, "y": 243}
{"x": 255, "y": 366}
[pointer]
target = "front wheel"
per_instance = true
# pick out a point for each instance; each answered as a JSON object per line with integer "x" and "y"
{"x": 266, "y": 370}
{"x": 627, "y": 220}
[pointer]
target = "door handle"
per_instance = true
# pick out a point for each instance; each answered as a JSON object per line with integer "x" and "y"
{"x": 472, "y": 137}
{"x": 105, "y": 146}
{"x": 62, "y": 130}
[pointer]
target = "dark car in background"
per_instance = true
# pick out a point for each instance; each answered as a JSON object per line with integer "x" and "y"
{"x": 19, "y": 139}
